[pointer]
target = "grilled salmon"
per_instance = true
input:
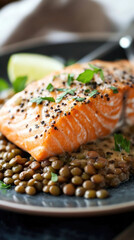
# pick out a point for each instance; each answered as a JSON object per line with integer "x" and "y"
{"x": 64, "y": 110}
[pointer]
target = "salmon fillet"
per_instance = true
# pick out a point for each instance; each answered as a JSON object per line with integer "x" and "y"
{"x": 51, "y": 128}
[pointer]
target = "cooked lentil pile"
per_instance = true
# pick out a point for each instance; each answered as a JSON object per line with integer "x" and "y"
{"x": 85, "y": 173}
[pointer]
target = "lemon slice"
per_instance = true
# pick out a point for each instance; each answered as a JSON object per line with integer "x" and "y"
{"x": 34, "y": 66}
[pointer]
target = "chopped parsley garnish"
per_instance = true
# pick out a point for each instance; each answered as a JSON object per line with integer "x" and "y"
{"x": 121, "y": 143}
{"x": 79, "y": 99}
{"x": 88, "y": 74}
{"x": 50, "y": 87}
{"x": 91, "y": 94}
{"x": 3, "y": 84}
{"x": 4, "y": 186}
{"x": 61, "y": 89}
{"x": 39, "y": 100}
{"x": 68, "y": 91}
{"x": 115, "y": 89}
{"x": 70, "y": 79}
{"x": 54, "y": 177}
{"x": 20, "y": 83}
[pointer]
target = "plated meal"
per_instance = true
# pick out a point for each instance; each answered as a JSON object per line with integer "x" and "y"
{"x": 71, "y": 132}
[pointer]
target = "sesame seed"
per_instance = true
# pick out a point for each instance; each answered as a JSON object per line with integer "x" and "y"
{"x": 36, "y": 126}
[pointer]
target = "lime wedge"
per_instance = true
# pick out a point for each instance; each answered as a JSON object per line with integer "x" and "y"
{"x": 34, "y": 66}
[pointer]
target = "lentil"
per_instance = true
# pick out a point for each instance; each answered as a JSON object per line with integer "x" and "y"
{"x": 30, "y": 190}
{"x": 19, "y": 189}
{"x": 54, "y": 190}
{"x": 77, "y": 180}
{"x": 90, "y": 194}
{"x": 69, "y": 189}
{"x": 79, "y": 192}
{"x": 102, "y": 193}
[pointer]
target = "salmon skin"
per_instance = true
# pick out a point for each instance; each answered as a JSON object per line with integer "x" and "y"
{"x": 49, "y": 128}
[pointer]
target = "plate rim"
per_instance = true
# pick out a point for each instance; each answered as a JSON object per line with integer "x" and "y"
{"x": 66, "y": 212}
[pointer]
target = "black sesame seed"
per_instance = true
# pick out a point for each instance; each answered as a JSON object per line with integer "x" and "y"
{"x": 36, "y": 136}
{"x": 59, "y": 111}
{"x": 22, "y": 105}
{"x": 36, "y": 126}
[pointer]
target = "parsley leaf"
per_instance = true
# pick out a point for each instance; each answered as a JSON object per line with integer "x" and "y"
{"x": 19, "y": 83}
{"x": 4, "y": 186}
{"x": 68, "y": 91}
{"x": 50, "y": 87}
{"x": 88, "y": 74}
{"x": 79, "y": 99}
{"x": 70, "y": 79}
{"x": 39, "y": 100}
{"x": 54, "y": 177}
{"x": 91, "y": 94}
{"x": 115, "y": 89}
{"x": 3, "y": 84}
{"x": 121, "y": 143}
{"x": 61, "y": 89}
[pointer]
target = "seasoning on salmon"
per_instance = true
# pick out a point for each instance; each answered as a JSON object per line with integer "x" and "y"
{"x": 56, "y": 114}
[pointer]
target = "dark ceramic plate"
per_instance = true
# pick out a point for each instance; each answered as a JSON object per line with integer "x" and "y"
{"x": 121, "y": 198}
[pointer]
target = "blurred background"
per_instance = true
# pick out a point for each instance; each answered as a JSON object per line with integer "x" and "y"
{"x": 51, "y": 21}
